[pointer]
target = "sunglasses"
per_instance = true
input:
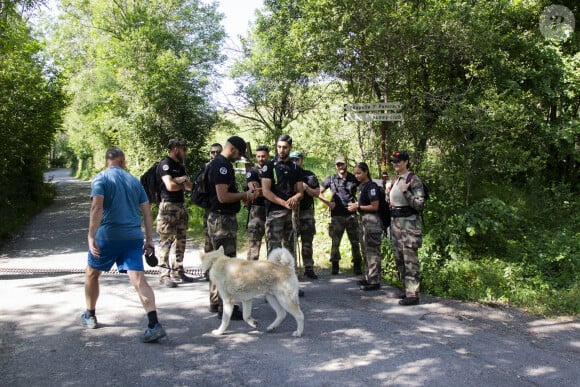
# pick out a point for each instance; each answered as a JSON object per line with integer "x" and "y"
{"x": 214, "y": 152}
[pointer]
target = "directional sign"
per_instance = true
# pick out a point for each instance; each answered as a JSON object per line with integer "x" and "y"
{"x": 367, "y": 117}
{"x": 369, "y": 107}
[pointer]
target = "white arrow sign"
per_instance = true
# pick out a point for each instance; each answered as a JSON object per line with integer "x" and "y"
{"x": 367, "y": 117}
{"x": 366, "y": 107}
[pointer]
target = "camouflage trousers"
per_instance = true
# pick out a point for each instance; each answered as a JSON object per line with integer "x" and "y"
{"x": 371, "y": 235}
{"x": 172, "y": 228}
{"x": 307, "y": 230}
{"x": 407, "y": 238}
{"x": 256, "y": 230}
{"x": 338, "y": 224}
{"x": 207, "y": 242}
{"x": 222, "y": 229}
{"x": 279, "y": 231}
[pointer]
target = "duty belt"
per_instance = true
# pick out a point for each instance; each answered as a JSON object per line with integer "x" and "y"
{"x": 402, "y": 212}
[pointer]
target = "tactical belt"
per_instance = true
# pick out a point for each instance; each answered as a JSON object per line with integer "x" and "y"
{"x": 402, "y": 212}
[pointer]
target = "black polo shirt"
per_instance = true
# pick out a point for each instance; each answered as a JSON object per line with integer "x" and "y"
{"x": 170, "y": 167}
{"x": 284, "y": 176}
{"x": 221, "y": 171}
{"x": 343, "y": 192}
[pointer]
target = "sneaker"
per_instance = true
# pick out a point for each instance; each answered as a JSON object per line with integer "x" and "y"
{"x": 310, "y": 274}
{"x": 369, "y": 287}
{"x": 87, "y": 321}
{"x": 236, "y": 314}
{"x": 153, "y": 334}
{"x": 167, "y": 282}
{"x": 180, "y": 276}
{"x": 408, "y": 301}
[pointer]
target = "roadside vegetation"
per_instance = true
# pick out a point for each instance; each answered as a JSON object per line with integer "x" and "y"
{"x": 490, "y": 100}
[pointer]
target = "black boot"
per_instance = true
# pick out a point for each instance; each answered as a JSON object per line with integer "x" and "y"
{"x": 334, "y": 268}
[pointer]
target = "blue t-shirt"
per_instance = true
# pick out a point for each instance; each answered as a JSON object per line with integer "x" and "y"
{"x": 123, "y": 194}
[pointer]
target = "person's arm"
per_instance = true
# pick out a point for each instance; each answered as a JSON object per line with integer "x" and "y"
{"x": 294, "y": 200}
{"x": 96, "y": 215}
{"x": 148, "y": 247}
{"x": 231, "y": 197}
{"x": 176, "y": 184}
{"x": 271, "y": 196}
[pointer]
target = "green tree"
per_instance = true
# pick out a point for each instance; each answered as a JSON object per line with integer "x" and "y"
{"x": 139, "y": 73}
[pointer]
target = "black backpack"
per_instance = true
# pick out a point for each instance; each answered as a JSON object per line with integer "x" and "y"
{"x": 384, "y": 210}
{"x": 199, "y": 194}
{"x": 152, "y": 184}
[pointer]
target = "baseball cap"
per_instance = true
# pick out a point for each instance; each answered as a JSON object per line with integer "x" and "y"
{"x": 239, "y": 144}
{"x": 340, "y": 159}
{"x": 295, "y": 155}
{"x": 399, "y": 156}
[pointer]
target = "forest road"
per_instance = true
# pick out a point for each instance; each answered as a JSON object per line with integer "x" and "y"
{"x": 351, "y": 338}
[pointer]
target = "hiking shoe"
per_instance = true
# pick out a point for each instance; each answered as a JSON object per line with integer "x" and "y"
{"x": 369, "y": 287}
{"x": 408, "y": 301}
{"x": 87, "y": 321}
{"x": 153, "y": 334}
{"x": 167, "y": 282}
{"x": 214, "y": 308}
{"x": 310, "y": 274}
{"x": 181, "y": 276}
{"x": 236, "y": 314}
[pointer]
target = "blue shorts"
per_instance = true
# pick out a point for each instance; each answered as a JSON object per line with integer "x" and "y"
{"x": 126, "y": 254}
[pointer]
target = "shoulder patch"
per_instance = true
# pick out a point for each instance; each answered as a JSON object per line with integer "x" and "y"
{"x": 373, "y": 192}
{"x": 248, "y": 175}
{"x": 165, "y": 167}
{"x": 223, "y": 170}
{"x": 265, "y": 168}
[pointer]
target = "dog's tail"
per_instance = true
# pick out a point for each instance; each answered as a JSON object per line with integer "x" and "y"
{"x": 281, "y": 256}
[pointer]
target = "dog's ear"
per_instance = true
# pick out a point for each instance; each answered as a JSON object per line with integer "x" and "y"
{"x": 221, "y": 250}
{"x": 202, "y": 255}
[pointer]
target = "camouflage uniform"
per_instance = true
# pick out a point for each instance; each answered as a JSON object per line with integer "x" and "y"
{"x": 280, "y": 231}
{"x": 256, "y": 227}
{"x": 222, "y": 229}
{"x": 172, "y": 218}
{"x": 406, "y": 231}
{"x": 371, "y": 233}
{"x": 343, "y": 193}
{"x": 222, "y": 223}
{"x": 256, "y": 230}
{"x": 307, "y": 223}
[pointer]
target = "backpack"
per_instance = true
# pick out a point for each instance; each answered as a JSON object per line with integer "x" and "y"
{"x": 384, "y": 209}
{"x": 152, "y": 184}
{"x": 199, "y": 194}
{"x": 425, "y": 188}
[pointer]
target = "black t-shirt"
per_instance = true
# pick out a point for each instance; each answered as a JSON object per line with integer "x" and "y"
{"x": 255, "y": 175}
{"x": 369, "y": 192}
{"x": 221, "y": 171}
{"x": 170, "y": 167}
{"x": 343, "y": 192}
{"x": 311, "y": 180}
{"x": 284, "y": 176}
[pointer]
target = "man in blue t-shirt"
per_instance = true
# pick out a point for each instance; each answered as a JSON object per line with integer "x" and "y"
{"x": 115, "y": 237}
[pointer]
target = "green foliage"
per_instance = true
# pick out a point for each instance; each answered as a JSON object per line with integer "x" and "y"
{"x": 30, "y": 105}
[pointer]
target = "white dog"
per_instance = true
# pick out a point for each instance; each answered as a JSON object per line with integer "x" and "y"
{"x": 241, "y": 280}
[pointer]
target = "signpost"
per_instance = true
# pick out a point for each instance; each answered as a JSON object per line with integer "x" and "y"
{"x": 384, "y": 112}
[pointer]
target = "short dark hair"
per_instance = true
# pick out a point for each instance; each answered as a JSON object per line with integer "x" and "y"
{"x": 114, "y": 153}
{"x": 175, "y": 142}
{"x": 260, "y": 148}
{"x": 285, "y": 138}
{"x": 216, "y": 144}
